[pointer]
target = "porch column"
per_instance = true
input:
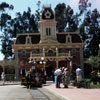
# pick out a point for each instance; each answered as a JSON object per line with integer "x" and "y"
{"x": 43, "y": 52}
{"x": 81, "y": 59}
{"x": 16, "y": 68}
{"x": 56, "y": 51}
{"x": 57, "y": 63}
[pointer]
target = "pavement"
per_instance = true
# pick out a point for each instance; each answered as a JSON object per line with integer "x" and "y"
{"x": 14, "y": 91}
{"x": 73, "y": 93}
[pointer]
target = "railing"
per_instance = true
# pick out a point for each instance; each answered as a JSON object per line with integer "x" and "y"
{"x": 37, "y": 55}
{"x": 10, "y": 77}
{"x": 63, "y": 54}
{"x": 59, "y": 55}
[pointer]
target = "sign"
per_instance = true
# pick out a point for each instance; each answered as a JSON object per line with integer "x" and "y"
{"x": 33, "y": 67}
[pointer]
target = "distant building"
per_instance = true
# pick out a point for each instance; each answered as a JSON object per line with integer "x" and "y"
{"x": 58, "y": 49}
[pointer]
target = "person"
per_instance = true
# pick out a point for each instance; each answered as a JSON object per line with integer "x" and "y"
{"x": 3, "y": 77}
{"x": 98, "y": 75}
{"x": 62, "y": 77}
{"x": 28, "y": 79}
{"x": 94, "y": 77}
{"x": 66, "y": 78}
{"x": 58, "y": 74}
{"x": 78, "y": 76}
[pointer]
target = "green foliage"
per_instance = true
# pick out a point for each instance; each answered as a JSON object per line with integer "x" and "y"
{"x": 60, "y": 17}
{"x": 4, "y": 6}
{"x": 22, "y": 23}
{"x": 83, "y": 5}
{"x": 71, "y": 19}
{"x": 94, "y": 61}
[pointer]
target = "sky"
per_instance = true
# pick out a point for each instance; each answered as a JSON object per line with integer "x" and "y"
{"x": 22, "y": 5}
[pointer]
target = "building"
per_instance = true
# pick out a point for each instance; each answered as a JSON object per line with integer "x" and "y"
{"x": 57, "y": 49}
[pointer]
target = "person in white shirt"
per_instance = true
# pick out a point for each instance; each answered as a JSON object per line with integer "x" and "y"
{"x": 78, "y": 76}
{"x": 58, "y": 74}
{"x": 3, "y": 77}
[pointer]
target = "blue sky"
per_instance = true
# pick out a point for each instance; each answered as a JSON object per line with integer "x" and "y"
{"x": 22, "y": 5}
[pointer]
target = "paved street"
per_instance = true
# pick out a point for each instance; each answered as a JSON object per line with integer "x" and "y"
{"x": 14, "y": 92}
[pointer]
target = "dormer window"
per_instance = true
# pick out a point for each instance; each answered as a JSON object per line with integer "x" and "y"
{"x": 68, "y": 39}
{"x": 48, "y": 31}
{"x": 28, "y": 40}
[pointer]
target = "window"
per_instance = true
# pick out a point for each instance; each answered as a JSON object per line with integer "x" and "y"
{"x": 68, "y": 39}
{"x": 48, "y": 31}
{"x": 74, "y": 52}
{"x": 28, "y": 40}
{"x": 23, "y": 54}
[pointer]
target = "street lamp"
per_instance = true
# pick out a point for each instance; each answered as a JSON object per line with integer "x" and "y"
{"x": 33, "y": 62}
{"x": 43, "y": 62}
{"x": 99, "y": 51}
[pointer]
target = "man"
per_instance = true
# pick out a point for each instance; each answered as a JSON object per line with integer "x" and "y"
{"x": 58, "y": 74}
{"x": 28, "y": 79}
{"x": 78, "y": 76}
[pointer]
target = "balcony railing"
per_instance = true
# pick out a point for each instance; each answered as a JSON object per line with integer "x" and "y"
{"x": 57, "y": 55}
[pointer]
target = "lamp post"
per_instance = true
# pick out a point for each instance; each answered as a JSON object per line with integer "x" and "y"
{"x": 99, "y": 51}
{"x": 43, "y": 62}
{"x": 33, "y": 62}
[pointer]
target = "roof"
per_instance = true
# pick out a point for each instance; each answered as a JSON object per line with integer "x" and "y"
{"x": 21, "y": 39}
{"x": 35, "y": 39}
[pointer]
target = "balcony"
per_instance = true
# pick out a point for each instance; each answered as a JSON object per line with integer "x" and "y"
{"x": 50, "y": 55}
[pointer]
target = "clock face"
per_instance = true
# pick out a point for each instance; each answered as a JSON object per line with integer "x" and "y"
{"x": 47, "y": 14}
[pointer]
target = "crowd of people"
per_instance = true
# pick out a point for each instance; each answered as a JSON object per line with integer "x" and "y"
{"x": 62, "y": 75}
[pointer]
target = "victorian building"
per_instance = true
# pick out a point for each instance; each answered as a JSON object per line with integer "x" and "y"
{"x": 57, "y": 48}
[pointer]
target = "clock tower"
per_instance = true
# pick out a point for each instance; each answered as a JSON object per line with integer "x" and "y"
{"x": 47, "y": 25}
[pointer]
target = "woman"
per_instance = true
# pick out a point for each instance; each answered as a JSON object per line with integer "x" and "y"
{"x": 66, "y": 78}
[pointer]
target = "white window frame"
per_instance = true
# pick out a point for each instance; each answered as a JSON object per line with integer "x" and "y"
{"x": 28, "y": 40}
{"x": 48, "y": 31}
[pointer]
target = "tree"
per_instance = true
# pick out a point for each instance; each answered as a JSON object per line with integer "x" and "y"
{"x": 72, "y": 21}
{"x": 22, "y": 23}
{"x": 93, "y": 61}
{"x": 37, "y": 14}
{"x": 4, "y": 24}
{"x": 92, "y": 31}
{"x": 83, "y": 6}
{"x": 60, "y": 17}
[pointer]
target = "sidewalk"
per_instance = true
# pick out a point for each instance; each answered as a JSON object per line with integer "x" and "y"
{"x": 73, "y": 93}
